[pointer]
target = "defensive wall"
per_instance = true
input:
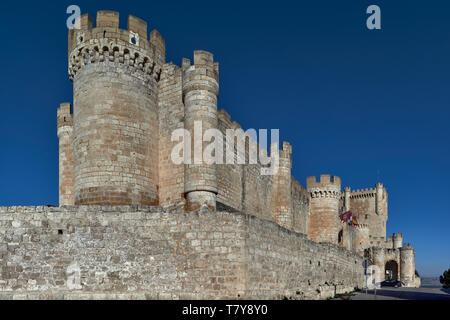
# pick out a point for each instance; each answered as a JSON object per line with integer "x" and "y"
{"x": 147, "y": 252}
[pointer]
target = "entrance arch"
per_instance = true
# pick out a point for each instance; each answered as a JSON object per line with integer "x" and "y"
{"x": 391, "y": 270}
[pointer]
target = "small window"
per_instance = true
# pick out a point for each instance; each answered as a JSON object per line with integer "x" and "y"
{"x": 133, "y": 40}
{"x": 60, "y": 232}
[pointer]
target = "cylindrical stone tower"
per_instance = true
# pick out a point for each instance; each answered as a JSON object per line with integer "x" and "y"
{"x": 65, "y": 137}
{"x": 378, "y": 259}
{"x": 407, "y": 265}
{"x": 324, "y": 223}
{"x": 397, "y": 240}
{"x": 200, "y": 92}
{"x": 115, "y": 74}
{"x": 361, "y": 238}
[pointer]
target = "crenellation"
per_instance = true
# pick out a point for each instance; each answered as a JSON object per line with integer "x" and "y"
{"x": 106, "y": 18}
{"x": 138, "y": 26}
{"x": 224, "y": 116}
{"x": 157, "y": 41}
{"x": 86, "y": 22}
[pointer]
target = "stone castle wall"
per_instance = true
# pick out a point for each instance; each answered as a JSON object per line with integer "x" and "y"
{"x": 146, "y": 252}
{"x": 115, "y": 149}
{"x": 300, "y": 207}
{"x": 285, "y": 263}
{"x": 171, "y": 116}
{"x": 242, "y": 187}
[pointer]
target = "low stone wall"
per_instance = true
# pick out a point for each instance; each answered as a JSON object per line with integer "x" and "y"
{"x": 148, "y": 253}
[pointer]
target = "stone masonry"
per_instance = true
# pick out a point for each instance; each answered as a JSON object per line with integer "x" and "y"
{"x": 132, "y": 224}
{"x": 146, "y": 252}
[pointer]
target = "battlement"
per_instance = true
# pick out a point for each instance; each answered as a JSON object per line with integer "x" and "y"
{"x": 224, "y": 115}
{"x": 137, "y": 25}
{"x": 202, "y": 57}
{"x": 64, "y": 112}
{"x": 395, "y": 241}
{"x": 287, "y": 147}
{"x": 285, "y": 152}
{"x": 110, "y": 19}
{"x": 363, "y": 193}
{"x": 407, "y": 246}
{"x": 236, "y": 125}
{"x": 367, "y": 192}
{"x": 204, "y": 67}
{"x": 325, "y": 181}
{"x": 108, "y": 42}
{"x": 106, "y": 18}
{"x": 229, "y": 123}
{"x": 108, "y": 22}
{"x": 397, "y": 236}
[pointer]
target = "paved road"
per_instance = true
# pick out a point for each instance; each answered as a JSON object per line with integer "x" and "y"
{"x": 388, "y": 293}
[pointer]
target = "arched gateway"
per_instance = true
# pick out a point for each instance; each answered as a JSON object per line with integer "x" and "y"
{"x": 391, "y": 270}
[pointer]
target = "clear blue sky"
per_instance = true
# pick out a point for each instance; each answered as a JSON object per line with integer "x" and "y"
{"x": 352, "y": 102}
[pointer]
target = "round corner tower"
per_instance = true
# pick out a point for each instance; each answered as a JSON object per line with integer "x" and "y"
{"x": 115, "y": 73}
{"x": 200, "y": 92}
{"x": 361, "y": 238}
{"x": 324, "y": 223}
{"x": 407, "y": 265}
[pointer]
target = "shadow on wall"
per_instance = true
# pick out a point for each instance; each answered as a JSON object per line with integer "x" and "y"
{"x": 412, "y": 295}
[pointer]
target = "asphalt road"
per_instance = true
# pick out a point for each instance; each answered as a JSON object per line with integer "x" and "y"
{"x": 388, "y": 293}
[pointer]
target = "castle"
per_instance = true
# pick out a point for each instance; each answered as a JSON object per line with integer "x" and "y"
{"x": 133, "y": 224}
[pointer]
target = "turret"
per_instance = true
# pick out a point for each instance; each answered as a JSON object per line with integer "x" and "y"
{"x": 407, "y": 265}
{"x": 115, "y": 74}
{"x": 282, "y": 188}
{"x": 324, "y": 223}
{"x": 378, "y": 259}
{"x": 361, "y": 238}
{"x": 200, "y": 92}
{"x": 347, "y": 192}
{"x": 65, "y": 137}
{"x": 397, "y": 240}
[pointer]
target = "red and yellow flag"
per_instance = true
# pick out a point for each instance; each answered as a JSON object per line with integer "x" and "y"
{"x": 346, "y": 216}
